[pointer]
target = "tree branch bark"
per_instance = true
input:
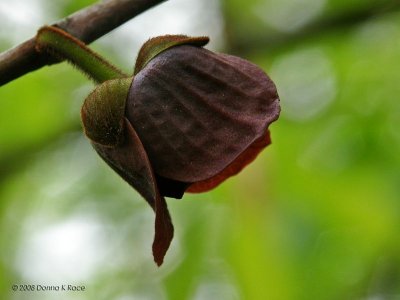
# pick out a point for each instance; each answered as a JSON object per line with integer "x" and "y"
{"x": 87, "y": 25}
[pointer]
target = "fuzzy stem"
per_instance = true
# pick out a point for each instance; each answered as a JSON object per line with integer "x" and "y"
{"x": 87, "y": 25}
{"x": 62, "y": 45}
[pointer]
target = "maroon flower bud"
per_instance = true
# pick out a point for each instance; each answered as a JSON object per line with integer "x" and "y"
{"x": 188, "y": 120}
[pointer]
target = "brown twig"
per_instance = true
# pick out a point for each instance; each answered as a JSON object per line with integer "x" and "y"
{"x": 87, "y": 25}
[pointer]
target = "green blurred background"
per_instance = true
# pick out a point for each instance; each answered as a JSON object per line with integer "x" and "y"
{"x": 316, "y": 216}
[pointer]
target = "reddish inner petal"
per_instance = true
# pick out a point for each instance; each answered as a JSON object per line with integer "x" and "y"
{"x": 233, "y": 168}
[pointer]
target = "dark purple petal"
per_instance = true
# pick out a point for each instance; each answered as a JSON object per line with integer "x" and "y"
{"x": 196, "y": 111}
{"x": 130, "y": 161}
{"x": 155, "y": 46}
{"x": 234, "y": 168}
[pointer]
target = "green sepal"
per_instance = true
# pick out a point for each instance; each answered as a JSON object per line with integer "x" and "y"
{"x": 103, "y": 112}
{"x": 156, "y": 45}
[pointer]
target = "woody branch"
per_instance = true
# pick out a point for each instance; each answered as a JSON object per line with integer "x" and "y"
{"x": 87, "y": 25}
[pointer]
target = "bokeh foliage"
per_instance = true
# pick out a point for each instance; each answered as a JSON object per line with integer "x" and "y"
{"x": 317, "y": 216}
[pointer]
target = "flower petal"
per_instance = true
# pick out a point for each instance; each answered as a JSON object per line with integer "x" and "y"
{"x": 156, "y": 45}
{"x": 130, "y": 161}
{"x": 234, "y": 168}
{"x": 196, "y": 111}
